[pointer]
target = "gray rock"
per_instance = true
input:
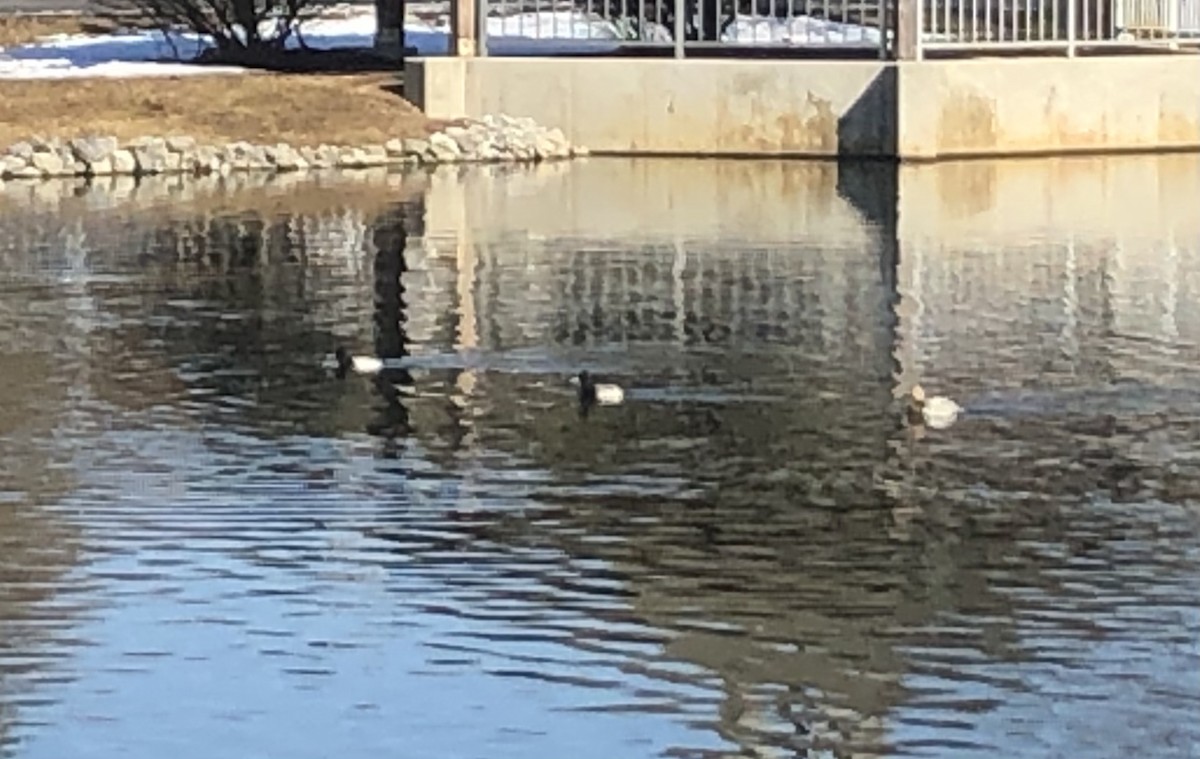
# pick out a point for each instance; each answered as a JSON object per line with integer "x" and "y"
{"x": 236, "y": 156}
{"x": 47, "y": 164}
{"x": 327, "y": 156}
{"x": 101, "y": 167}
{"x": 374, "y": 155}
{"x": 276, "y": 155}
{"x": 544, "y": 147}
{"x": 256, "y": 157}
{"x": 284, "y": 157}
{"x": 395, "y": 147}
{"x": 123, "y": 162}
{"x": 469, "y": 141}
{"x": 206, "y": 160}
{"x": 488, "y": 153}
{"x": 181, "y": 144}
{"x": 147, "y": 142}
{"x": 10, "y": 164}
{"x": 416, "y": 147}
{"x": 46, "y": 145}
{"x": 21, "y": 150}
{"x": 27, "y": 172}
{"x": 174, "y": 162}
{"x": 443, "y": 148}
{"x": 151, "y": 158}
{"x": 92, "y": 149}
{"x": 556, "y": 136}
{"x": 188, "y": 163}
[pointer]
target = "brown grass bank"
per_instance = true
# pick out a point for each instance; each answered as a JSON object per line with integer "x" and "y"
{"x": 262, "y": 108}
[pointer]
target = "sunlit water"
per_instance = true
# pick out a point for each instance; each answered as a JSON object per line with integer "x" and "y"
{"x": 211, "y": 547}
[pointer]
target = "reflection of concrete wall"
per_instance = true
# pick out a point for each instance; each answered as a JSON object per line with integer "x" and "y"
{"x": 614, "y": 198}
{"x": 1045, "y": 260}
{"x": 753, "y": 248}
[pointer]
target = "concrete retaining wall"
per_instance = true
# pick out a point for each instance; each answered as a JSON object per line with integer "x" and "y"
{"x": 1048, "y": 105}
{"x": 910, "y": 110}
{"x": 711, "y": 107}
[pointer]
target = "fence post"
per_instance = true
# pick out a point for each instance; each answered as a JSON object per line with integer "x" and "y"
{"x": 680, "y": 9}
{"x": 481, "y": 34}
{"x": 908, "y": 30}
{"x": 462, "y": 29}
{"x": 886, "y": 24}
{"x": 1072, "y": 20}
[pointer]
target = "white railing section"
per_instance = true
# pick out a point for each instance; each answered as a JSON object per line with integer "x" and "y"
{"x": 1059, "y": 24}
{"x": 820, "y": 28}
{"x": 604, "y": 26}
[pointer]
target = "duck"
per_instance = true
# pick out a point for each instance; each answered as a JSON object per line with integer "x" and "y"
{"x": 603, "y": 393}
{"x": 936, "y": 412}
{"x": 360, "y": 364}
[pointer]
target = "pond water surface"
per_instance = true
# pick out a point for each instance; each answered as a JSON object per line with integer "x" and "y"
{"x": 210, "y": 547}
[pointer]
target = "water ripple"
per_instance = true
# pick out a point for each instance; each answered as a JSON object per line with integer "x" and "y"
{"x": 203, "y": 533}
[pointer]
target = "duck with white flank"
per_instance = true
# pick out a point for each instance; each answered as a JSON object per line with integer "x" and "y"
{"x": 592, "y": 392}
{"x": 360, "y": 364}
{"x": 937, "y": 412}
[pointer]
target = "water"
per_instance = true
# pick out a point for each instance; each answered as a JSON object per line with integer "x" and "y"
{"x": 209, "y": 547}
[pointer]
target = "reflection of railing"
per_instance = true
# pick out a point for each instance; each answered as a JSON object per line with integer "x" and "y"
{"x": 748, "y": 28}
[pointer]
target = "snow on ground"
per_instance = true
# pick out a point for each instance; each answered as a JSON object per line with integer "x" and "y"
{"x": 143, "y": 53}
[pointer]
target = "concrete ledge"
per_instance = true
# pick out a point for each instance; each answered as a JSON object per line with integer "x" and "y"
{"x": 914, "y": 110}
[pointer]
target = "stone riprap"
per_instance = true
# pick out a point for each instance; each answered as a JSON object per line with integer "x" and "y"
{"x": 492, "y": 139}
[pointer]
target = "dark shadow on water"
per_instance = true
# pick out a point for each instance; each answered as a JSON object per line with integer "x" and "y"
{"x": 391, "y": 342}
{"x": 872, "y": 187}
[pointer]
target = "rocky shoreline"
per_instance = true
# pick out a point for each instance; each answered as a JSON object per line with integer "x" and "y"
{"x": 491, "y": 139}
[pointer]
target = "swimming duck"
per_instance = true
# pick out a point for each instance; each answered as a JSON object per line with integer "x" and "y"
{"x": 360, "y": 364}
{"x": 592, "y": 392}
{"x": 937, "y": 412}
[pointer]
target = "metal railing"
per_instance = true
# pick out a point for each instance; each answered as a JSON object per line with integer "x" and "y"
{"x": 828, "y": 27}
{"x": 508, "y": 27}
{"x": 1065, "y": 25}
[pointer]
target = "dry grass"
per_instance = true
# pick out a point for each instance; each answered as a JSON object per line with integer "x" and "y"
{"x": 298, "y": 109}
{"x": 23, "y": 29}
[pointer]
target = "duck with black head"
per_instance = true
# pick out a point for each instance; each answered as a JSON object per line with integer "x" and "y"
{"x": 593, "y": 393}
{"x": 358, "y": 364}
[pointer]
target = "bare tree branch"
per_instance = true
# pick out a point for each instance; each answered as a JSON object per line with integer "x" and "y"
{"x": 233, "y": 27}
